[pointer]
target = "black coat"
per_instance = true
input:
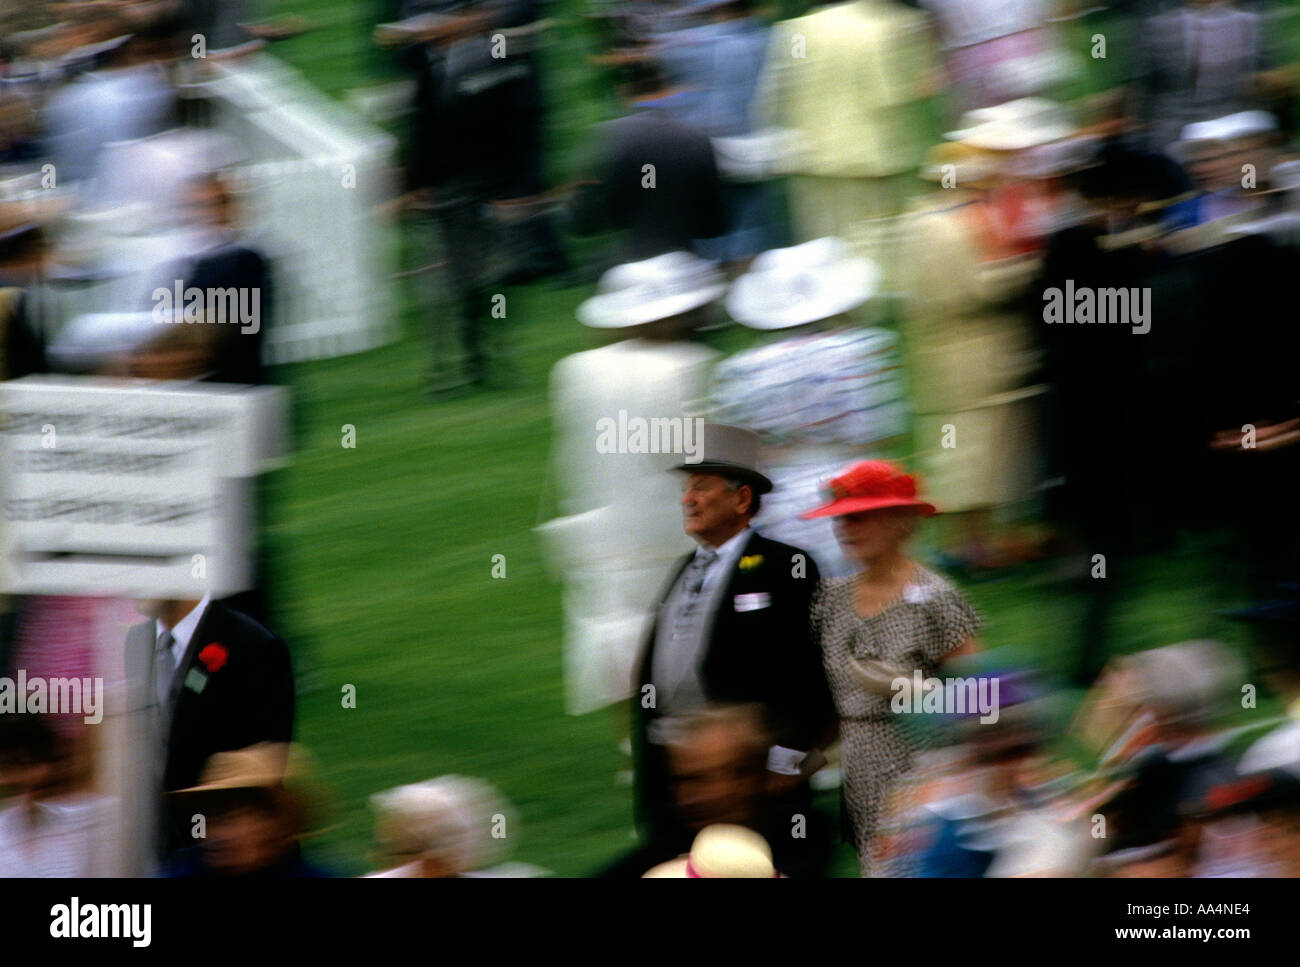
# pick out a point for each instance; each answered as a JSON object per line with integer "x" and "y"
{"x": 237, "y": 355}
{"x": 766, "y": 656}
{"x": 250, "y": 699}
{"x": 686, "y": 202}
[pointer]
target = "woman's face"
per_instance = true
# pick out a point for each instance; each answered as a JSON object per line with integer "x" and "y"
{"x": 870, "y": 534}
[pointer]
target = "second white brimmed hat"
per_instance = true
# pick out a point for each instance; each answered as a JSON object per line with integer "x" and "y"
{"x": 1229, "y": 128}
{"x": 1014, "y": 125}
{"x": 804, "y": 283}
{"x": 657, "y": 288}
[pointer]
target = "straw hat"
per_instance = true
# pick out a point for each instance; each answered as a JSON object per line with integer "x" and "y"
{"x": 721, "y": 851}
{"x": 279, "y": 771}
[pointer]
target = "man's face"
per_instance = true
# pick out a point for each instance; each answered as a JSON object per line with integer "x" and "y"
{"x": 715, "y": 780}
{"x": 26, "y": 778}
{"x": 151, "y": 607}
{"x": 1213, "y": 166}
{"x": 208, "y": 203}
{"x": 245, "y": 838}
{"x": 711, "y": 510}
{"x": 186, "y": 359}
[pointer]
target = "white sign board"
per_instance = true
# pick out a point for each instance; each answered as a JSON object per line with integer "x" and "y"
{"x": 131, "y": 487}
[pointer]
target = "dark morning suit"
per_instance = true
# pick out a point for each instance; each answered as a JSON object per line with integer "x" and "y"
{"x": 764, "y": 655}
{"x": 248, "y": 700}
{"x": 686, "y": 202}
{"x": 238, "y": 354}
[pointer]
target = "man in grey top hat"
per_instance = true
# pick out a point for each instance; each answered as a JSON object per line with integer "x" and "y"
{"x": 732, "y": 626}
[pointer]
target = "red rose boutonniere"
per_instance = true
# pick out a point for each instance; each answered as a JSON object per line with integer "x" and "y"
{"x": 214, "y": 657}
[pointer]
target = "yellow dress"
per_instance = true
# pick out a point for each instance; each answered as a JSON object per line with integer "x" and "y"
{"x": 971, "y": 356}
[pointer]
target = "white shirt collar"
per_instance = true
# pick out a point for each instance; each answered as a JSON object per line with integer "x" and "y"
{"x": 185, "y": 628}
{"x": 731, "y": 547}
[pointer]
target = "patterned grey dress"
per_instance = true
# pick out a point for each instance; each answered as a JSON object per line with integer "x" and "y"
{"x": 927, "y": 621}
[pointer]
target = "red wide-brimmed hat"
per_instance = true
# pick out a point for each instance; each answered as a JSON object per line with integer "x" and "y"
{"x": 871, "y": 485}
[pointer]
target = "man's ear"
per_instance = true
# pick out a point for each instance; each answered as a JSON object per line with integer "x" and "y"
{"x": 749, "y": 500}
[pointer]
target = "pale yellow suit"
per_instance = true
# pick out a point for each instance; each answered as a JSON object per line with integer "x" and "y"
{"x": 972, "y": 358}
{"x": 849, "y": 80}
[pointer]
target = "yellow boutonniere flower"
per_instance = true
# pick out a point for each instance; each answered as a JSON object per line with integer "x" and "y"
{"x": 751, "y": 562}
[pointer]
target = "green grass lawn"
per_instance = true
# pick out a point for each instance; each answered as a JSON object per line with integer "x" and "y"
{"x": 383, "y": 553}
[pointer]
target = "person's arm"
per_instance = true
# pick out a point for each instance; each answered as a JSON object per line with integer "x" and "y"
{"x": 970, "y": 646}
{"x": 710, "y": 209}
{"x": 589, "y": 207}
{"x": 274, "y": 693}
{"x": 808, "y": 715}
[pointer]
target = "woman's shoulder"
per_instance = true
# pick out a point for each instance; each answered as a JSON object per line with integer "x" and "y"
{"x": 944, "y": 603}
{"x": 835, "y": 585}
{"x": 926, "y": 586}
{"x": 831, "y": 613}
{"x": 832, "y": 592}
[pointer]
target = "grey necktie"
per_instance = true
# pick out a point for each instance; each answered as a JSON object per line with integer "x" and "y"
{"x": 703, "y": 560}
{"x": 164, "y": 663}
{"x": 687, "y": 630}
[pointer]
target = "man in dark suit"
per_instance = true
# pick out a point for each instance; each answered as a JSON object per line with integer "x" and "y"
{"x": 477, "y": 140}
{"x": 214, "y": 679}
{"x": 652, "y": 177}
{"x": 717, "y": 759}
{"x": 224, "y": 265}
{"x": 731, "y": 627}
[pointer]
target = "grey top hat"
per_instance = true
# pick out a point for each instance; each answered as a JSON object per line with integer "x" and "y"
{"x": 731, "y": 451}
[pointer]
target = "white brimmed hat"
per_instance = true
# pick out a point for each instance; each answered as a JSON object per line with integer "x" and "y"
{"x": 1230, "y": 127}
{"x": 657, "y": 288}
{"x": 804, "y": 283}
{"x": 1014, "y": 125}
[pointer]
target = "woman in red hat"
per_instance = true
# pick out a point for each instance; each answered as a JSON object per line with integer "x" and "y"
{"x": 891, "y": 618}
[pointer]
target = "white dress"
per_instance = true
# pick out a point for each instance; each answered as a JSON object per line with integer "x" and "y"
{"x": 621, "y": 528}
{"x": 72, "y": 837}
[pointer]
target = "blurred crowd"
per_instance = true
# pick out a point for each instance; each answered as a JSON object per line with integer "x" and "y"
{"x": 1058, "y": 328}
{"x": 1066, "y": 313}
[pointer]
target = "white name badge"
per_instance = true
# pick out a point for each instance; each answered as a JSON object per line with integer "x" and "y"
{"x": 753, "y": 602}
